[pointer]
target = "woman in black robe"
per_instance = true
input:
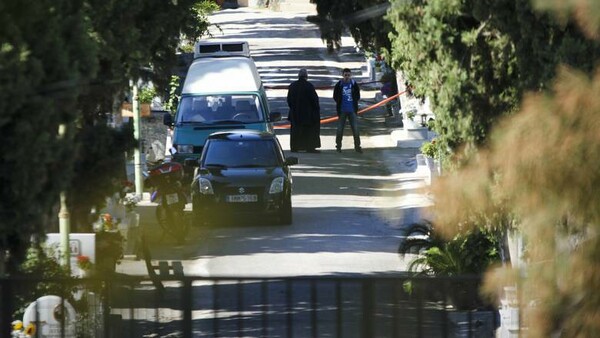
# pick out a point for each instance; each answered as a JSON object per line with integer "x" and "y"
{"x": 304, "y": 115}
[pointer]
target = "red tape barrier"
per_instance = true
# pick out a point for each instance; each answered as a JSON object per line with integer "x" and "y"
{"x": 335, "y": 118}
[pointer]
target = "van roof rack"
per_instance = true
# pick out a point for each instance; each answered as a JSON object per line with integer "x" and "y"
{"x": 216, "y": 48}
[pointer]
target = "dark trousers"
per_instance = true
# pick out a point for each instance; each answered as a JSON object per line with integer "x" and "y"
{"x": 352, "y": 119}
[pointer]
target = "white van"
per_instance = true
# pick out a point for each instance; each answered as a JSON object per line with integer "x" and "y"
{"x": 222, "y": 91}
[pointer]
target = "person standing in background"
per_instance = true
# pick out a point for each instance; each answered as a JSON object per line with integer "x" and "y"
{"x": 304, "y": 115}
{"x": 389, "y": 88}
{"x": 346, "y": 95}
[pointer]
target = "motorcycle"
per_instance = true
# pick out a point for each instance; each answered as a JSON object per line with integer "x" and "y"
{"x": 167, "y": 191}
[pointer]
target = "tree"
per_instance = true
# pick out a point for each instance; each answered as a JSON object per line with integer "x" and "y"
{"x": 540, "y": 165}
{"x": 363, "y": 18}
{"x": 134, "y": 42}
{"x": 44, "y": 49}
{"x": 475, "y": 59}
{"x": 63, "y": 66}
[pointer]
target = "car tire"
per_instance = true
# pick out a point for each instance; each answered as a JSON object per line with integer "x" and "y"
{"x": 285, "y": 215}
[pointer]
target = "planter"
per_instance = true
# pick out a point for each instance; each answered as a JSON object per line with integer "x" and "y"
{"x": 434, "y": 165}
{"x": 145, "y": 109}
{"x": 127, "y": 109}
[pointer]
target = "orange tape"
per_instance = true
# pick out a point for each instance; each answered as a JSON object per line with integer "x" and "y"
{"x": 335, "y": 118}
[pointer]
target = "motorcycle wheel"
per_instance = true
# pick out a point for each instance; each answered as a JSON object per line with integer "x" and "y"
{"x": 172, "y": 222}
{"x": 182, "y": 226}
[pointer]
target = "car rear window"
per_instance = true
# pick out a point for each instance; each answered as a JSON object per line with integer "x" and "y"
{"x": 241, "y": 153}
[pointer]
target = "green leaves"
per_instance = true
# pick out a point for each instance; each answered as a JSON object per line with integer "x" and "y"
{"x": 470, "y": 253}
{"x": 65, "y": 62}
{"x": 474, "y": 60}
{"x": 368, "y": 30}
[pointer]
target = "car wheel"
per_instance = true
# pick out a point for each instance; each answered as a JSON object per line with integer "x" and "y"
{"x": 285, "y": 215}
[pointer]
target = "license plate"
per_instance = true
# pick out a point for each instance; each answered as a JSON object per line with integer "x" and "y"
{"x": 172, "y": 198}
{"x": 242, "y": 198}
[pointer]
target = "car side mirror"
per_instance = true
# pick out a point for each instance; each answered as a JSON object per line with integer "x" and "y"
{"x": 291, "y": 160}
{"x": 275, "y": 116}
{"x": 168, "y": 120}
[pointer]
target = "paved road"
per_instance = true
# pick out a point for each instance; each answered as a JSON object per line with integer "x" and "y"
{"x": 348, "y": 208}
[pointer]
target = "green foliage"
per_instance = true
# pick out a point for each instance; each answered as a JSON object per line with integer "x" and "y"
{"x": 474, "y": 60}
{"x": 431, "y": 124}
{"x": 469, "y": 253}
{"x": 47, "y": 274}
{"x": 369, "y": 31}
{"x": 146, "y": 94}
{"x": 173, "y": 99}
{"x": 431, "y": 149}
{"x": 100, "y": 170}
{"x": 45, "y": 53}
{"x": 541, "y": 165}
{"x": 65, "y": 63}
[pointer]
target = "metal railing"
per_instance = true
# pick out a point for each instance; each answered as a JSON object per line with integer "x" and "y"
{"x": 336, "y": 306}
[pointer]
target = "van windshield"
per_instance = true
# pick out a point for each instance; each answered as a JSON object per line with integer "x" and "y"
{"x": 215, "y": 109}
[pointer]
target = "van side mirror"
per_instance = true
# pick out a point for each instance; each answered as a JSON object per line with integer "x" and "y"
{"x": 275, "y": 116}
{"x": 168, "y": 120}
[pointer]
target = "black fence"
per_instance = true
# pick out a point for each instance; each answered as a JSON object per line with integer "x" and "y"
{"x": 251, "y": 307}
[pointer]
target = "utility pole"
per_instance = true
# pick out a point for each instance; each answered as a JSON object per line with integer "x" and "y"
{"x": 64, "y": 221}
{"x": 64, "y": 224}
{"x": 137, "y": 156}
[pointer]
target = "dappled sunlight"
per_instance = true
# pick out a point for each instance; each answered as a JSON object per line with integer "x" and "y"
{"x": 354, "y": 176}
{"x": 313, "y": 264}
{"x": 361, "y": 202}
{"x": 307, "y": 235}
{"x": 331, "y": 171}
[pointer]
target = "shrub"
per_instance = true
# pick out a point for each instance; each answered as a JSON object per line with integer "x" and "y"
{"x": 40, "y": 265}
{"x": 146, "y": 94}
{"x": 466, "y": 254}
{"x": 430, "y": 149}
{"x": 470, "y": 253}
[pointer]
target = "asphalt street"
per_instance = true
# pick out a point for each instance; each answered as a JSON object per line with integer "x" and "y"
{"x": 349, "y": 208}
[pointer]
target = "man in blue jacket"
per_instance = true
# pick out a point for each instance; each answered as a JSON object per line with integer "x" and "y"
{"x": 346, "y": 94}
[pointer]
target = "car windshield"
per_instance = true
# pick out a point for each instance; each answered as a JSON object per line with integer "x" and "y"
{"x": 241, "y": 154}
{"x": 215, "y": 109}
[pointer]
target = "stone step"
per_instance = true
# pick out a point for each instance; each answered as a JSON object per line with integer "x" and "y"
{"x": 249, "y": 3}
{"x": 297, "y": 6}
